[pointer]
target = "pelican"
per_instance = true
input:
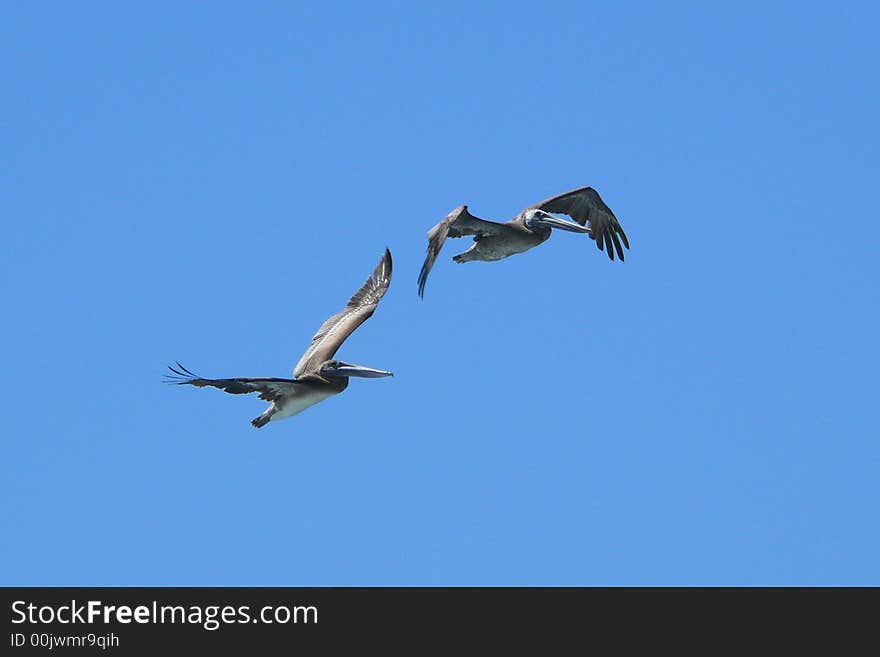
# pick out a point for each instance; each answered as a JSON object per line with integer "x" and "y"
{"x": 495, "y": 241}
{"x": 317, "y": 375}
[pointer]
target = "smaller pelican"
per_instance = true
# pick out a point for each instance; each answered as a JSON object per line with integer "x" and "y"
{"x": 317, "y": 375}
{"x": 531, "y": 227}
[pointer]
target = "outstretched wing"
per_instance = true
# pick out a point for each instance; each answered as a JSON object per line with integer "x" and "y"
{"x": 457, "y": 223}
{"x": 585, "y": 205}
{"x": 336, "y": 330}
{"x": 269, "y": 389}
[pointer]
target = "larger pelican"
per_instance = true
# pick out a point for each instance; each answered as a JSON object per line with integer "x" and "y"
{"x": 531, "y": 227}
{"x": 317, "y": 375}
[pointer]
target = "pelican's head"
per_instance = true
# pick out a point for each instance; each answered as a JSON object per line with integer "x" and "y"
{"x": 538, "y": 219}
{"x": 339, "y": 369}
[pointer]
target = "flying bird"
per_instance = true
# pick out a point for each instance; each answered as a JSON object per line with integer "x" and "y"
{"x": 531, "y": 227}
{"x": 317, "y": 375}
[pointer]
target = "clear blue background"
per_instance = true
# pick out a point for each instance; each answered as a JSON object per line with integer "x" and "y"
{"x": 209, "y": 182}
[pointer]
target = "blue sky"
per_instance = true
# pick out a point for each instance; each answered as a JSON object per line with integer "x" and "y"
{"x": 208, "y": 185}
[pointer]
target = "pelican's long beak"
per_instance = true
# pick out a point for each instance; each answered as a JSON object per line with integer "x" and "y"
{"x": 347, "y": 369}
{"x": 561, "y": 224}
